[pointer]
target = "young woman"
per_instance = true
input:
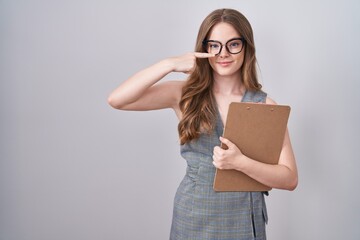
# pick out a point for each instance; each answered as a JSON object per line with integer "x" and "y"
{"x": 222, "y": 70}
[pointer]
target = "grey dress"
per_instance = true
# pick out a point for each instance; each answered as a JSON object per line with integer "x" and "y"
{"x": 200, "y": 212}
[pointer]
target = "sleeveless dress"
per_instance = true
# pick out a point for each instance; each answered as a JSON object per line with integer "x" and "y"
{"x": 199, "y": 212}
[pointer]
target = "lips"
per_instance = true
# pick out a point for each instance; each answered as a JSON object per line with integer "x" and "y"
{"x": 224, "y": 64}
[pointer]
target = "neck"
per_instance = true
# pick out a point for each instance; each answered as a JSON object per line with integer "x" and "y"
{"x": 228, "y": 85}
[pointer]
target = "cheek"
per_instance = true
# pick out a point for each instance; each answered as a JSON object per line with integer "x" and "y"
{"x": 212, "y": 62}
{"x": 240, "y": 60}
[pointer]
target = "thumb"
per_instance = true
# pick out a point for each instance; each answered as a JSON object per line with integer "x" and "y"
{"x": 226, "y": 141}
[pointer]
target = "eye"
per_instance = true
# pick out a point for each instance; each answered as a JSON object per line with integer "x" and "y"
{"x": 234, "y": 44}
{"x": 214, "y": 45}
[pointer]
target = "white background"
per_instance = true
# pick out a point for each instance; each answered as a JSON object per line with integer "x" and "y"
{"x": 73, "y": 168}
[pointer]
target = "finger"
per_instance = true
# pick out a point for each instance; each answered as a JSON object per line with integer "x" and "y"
{"x": 214, "y": 163}
{"x": 217, "y": 149}
{"x": 218, "y": 152}
{"x": 203, "y": 55}
{"x": 226, "y": 142}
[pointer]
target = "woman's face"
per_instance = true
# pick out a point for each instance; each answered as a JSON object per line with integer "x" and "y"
{"x": 225, "y": 63}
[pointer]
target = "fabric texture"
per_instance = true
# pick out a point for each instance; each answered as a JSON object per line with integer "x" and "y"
{"x": 199, "y": 212}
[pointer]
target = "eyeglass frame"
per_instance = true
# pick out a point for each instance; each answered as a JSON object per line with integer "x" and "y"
{"x": 226, "y": 47}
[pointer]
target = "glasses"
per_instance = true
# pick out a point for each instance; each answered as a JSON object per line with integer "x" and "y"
{"x": 233, "y": 46}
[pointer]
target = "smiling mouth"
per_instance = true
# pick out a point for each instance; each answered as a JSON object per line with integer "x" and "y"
{"x": 224, "y": 63}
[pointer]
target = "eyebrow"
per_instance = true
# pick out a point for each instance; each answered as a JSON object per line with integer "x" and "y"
{"x": 235, "y": 38}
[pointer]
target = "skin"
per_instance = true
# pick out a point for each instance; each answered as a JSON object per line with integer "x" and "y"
{"x": 143, "y": 91}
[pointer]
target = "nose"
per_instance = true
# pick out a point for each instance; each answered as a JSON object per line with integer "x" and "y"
{"x": 223, "y": 52}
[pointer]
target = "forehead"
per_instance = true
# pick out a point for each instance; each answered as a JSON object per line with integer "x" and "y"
{"x": 223, "y": 31}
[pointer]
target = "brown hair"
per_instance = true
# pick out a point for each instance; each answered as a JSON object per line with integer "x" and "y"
{"x": 197, "y": 104}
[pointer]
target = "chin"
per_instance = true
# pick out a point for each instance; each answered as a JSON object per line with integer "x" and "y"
{"x": 226, "y": 72}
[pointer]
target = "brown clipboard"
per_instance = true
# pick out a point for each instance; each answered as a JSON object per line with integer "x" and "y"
{"x": 258, "y": 130}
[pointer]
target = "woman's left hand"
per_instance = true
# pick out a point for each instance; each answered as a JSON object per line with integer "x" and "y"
{"x": 230, "y": 158}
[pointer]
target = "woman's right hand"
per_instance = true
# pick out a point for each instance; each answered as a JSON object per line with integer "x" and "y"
{"x": 186, "y": 63}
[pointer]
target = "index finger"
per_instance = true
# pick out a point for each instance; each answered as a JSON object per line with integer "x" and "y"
{"x": 203, "y": 55}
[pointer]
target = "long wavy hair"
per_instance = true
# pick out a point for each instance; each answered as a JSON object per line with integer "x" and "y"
{"x": 197, "y": 104}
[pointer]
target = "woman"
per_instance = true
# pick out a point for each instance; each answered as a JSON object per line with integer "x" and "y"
{"x": 222, "y": 70}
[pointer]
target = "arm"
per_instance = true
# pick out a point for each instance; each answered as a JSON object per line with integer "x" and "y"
{"x": 140, "y": 92}
{"x": 282, "y": 175}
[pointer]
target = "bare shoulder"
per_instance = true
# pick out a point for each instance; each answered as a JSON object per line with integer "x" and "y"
{"x": 270, "y": 101}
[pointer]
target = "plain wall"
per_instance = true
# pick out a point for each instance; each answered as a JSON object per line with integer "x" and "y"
{"x": 71, "y": 167}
